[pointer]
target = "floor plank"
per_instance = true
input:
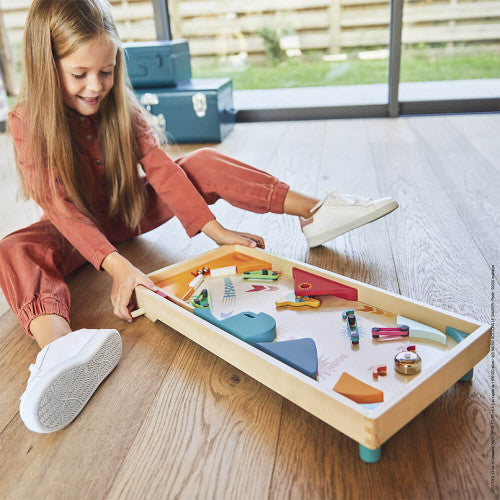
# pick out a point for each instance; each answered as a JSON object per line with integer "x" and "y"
{"x": 478, "y": 131}
{"x": 233, "y": 477}
{"x": 295, "y": 161}
{"x": 471, "y": 181}
{"x": 17, "y": 353}
{"x": 313, "y": 463}
{"x": 437, "y": 259}
{"x": 84, "y": 459}
{"x": 219, "y": 443}
{"x": 438, "y": 262}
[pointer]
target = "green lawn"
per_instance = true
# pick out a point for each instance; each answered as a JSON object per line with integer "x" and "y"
{"x": 311, "y": 73}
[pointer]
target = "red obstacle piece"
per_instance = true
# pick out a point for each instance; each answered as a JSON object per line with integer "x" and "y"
{"x": 310, "y": 284}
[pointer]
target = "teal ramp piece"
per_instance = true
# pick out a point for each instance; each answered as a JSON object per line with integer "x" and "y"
{"x": 300, "y": 354}
{"x": 247, "y": 326}
{"x": 458, "y": 336}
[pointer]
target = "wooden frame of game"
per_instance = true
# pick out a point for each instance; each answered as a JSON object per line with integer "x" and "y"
{"x": 369, "y": 425}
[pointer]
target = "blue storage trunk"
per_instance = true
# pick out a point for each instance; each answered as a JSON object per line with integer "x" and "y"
{"x": 163, "y": 63}
{"x": 200, "y": 110}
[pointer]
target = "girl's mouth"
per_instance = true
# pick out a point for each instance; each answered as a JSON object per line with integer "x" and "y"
{"x": 89, "y": 101}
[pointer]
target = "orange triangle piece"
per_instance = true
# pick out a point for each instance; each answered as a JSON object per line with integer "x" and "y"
{"x": 311, "y": 284}
{"x": 358, "y": 391}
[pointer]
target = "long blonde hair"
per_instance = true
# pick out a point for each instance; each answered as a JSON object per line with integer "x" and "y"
{"x": 54, "y": 29}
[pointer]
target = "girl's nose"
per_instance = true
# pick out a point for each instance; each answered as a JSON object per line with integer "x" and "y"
{"x": 94, "y": 84}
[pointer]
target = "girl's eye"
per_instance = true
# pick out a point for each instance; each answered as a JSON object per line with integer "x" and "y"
{"x": 78, "y": 77}
{"x": 106, "y": 73}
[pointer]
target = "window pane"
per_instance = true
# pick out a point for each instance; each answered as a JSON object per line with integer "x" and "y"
{"x": 286, "y": 43}
{"x": 453, "y": 43}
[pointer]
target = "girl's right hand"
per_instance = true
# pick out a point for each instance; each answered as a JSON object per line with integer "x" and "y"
{"x": 125, "y": 278}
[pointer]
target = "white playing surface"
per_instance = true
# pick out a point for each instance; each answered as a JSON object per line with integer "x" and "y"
{"x": 231, "y": 295}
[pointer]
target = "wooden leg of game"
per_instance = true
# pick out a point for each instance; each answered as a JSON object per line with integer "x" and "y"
{"x": 467, "y": 377}
{"x": 370, "y": 456}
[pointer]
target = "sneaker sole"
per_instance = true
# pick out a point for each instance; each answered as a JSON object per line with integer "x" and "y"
{"x": 319, "y": 239}
{"x": 67, "y": 392}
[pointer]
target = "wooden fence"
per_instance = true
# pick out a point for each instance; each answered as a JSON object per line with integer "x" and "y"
{"x": 223, "y": 27}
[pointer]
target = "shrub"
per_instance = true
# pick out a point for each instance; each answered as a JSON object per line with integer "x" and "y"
{"x": 271, "y": 37}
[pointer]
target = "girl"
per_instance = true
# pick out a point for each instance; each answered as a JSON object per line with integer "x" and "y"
{"x": 79, "y": 135}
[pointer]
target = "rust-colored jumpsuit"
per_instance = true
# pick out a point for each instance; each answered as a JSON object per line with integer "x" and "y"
{"x": 34, "y": 260}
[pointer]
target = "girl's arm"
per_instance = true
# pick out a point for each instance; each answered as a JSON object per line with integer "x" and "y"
{"x": 175, "y": 188}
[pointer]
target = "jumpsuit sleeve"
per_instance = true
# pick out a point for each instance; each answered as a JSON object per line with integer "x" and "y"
{"x": 170, "y": 181}
{"x": 78, "y": 229}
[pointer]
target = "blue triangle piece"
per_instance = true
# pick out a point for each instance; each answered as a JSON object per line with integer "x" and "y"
{"x": 300, "y": 354}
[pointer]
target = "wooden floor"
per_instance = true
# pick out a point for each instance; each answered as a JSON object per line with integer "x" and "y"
{"x": 174, "y": 421}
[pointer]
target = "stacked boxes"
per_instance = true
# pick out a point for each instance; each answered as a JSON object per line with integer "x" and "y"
{"x": 191, "y": 110}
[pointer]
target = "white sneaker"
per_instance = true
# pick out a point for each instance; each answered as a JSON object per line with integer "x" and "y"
{"x": 65, "y": 375}
{"x": 338, "y": 213}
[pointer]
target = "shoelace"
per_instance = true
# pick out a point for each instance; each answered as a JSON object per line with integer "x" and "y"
{"x": 333, "y": 197}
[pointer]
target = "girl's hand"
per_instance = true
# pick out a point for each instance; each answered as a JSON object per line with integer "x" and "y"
{"x": 125, "y": 278}
{"x": 223, "y": 236}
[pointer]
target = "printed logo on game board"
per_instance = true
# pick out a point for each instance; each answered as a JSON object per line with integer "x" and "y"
{"x": 229, "y": 292}
{"x": 326, "y": 365}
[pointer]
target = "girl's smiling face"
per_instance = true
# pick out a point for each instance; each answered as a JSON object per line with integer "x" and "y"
{"x": 86, "y": 75}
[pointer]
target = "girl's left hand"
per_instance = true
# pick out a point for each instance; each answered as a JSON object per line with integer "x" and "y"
{"x": 125, "y": 278}
{"x": 223, "y": 236}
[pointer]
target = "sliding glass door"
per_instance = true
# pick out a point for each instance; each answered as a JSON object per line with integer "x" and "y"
{"x": 301, "y": 47}
{"x": 450, "y": 50}
{"x": 326, "y": 58}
